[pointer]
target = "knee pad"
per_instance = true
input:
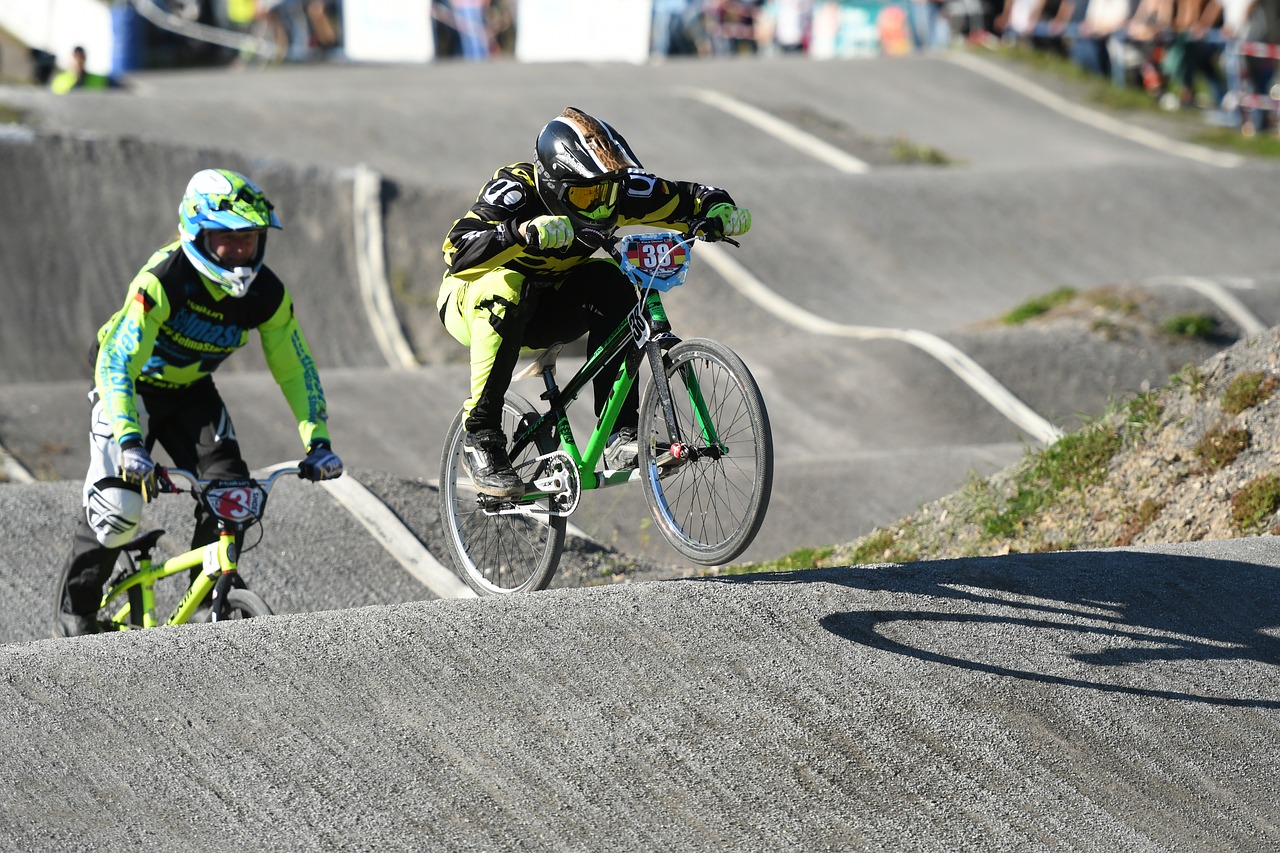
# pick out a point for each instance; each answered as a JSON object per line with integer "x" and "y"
{"x": 113, "y": 512}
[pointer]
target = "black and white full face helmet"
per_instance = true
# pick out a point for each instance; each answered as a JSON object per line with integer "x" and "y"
{"x": 579, "y": 168}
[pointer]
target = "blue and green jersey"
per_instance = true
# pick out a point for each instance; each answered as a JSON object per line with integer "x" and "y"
{"x": 177, "y": 327}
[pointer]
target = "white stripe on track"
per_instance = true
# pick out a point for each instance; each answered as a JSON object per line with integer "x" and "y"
{"x": 776, "y": 127}
{"x": 1093, "y": 118}
{"x": 371, "y": 270}
{"x": 956, "y": 361}
{"x": 395, "y": 538}
{"x": 1218, "y": 295}
{"x": 13, "y": 469}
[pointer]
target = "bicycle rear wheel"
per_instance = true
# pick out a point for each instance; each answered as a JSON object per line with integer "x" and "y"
{"x": 497, "y": 553}
{"x": 709, "y": 503}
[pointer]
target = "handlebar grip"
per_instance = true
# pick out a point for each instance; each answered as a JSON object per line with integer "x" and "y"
{"x": 710, "y": 231}
{"x": 530, "y": 237}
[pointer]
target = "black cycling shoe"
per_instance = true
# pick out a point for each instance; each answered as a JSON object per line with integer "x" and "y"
{"x": 491, "y": 471}
{"x": 75, "y": 625}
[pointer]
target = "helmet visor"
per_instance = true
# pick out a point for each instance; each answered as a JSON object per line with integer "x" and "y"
{"x": 594, "y": 201}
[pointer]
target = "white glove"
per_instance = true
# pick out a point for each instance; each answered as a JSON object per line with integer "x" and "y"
{"x": 136, "y": 468}
{"x": 548, "y": 232}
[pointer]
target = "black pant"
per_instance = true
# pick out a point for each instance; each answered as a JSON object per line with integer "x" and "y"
{"x": 193, "y": 426}
{"x": 592, "y": 299}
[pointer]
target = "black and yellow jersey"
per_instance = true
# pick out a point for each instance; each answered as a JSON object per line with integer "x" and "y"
{"x": 177, "y": 327}
{"x": 488, "y": 237}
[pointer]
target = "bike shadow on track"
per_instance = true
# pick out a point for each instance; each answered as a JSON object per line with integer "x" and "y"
{"x": 1142, "y": 624}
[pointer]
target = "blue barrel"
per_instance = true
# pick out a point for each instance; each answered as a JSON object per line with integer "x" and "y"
{"x": 126, "y": 38}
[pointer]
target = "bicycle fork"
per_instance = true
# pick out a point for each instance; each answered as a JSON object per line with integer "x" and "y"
{"x": 218, "y": 574}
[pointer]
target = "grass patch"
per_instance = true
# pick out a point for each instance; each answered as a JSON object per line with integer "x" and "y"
{"x": 1039, "y": 305}
{"x": 1073, "y": 462}
{"x": 905, "y": 151}
{"x": 1196, "y": 326}
{"x": 799, "y": 560}
{"x": 881, "y": 547}
{"x": 1220, "y": 446}
{"x": 1191, "y": 378}
{"x": 1256, "y": 501}
{"x": 1109, "y": 299}
{"x": 1247, "y": 390}
{"x": 1143, "y": 411}
{"x": 1262, "y": 145}
{"x": 1148, "y": 511}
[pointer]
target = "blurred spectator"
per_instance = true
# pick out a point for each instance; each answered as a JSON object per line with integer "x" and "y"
{"x": 235, "y": 14}
{"x": 76, "y": 77}
{"x": 1100, "y": 41}
{"x": 1261, "y": 23}
{"x": 323, "y": 33}
{"x": 672, "y": 34}
{"x": 43, "y": 64}
{"x": 930, "y": 25}
{"x": 1084, "y": 48}
{"x": 286, "y": 21}
{"x": 730, "y": 25}
{"x": 1018, "y": 18}
{"x": 502, "y": 26}
{"x": 1200, "y": 57}
{"x": 473, "y": 29}
{"x": 791, "y": 24}
{"x": 1151, "y": 22}
{"x": 1058, "y": 20}
{"x": 444, "y": 29}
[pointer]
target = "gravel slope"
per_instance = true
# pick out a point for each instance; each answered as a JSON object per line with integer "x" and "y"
{"x": 1108, "y": 700}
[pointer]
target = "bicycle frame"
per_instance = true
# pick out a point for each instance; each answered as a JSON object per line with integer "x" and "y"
{"x": 646, "y": 332}
{"x": 237, "y": 505}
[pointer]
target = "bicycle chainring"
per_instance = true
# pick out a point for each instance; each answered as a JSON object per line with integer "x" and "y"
{"x": 558, "y": 479}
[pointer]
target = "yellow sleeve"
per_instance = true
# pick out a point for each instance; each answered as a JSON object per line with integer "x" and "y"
{"x": 125, "y": 343}
{"x": 291, "y": 363}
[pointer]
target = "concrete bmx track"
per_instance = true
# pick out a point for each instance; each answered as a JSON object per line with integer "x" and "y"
{"x": 1111, "y": 700}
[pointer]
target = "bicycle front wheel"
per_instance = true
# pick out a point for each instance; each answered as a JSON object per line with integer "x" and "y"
{"x": 495, "y": 550}
{"x": 710, "y": 495}
{"x": 245, "y": 604}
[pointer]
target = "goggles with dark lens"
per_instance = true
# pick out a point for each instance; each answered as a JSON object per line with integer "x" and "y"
{"x": 587, "y": 199}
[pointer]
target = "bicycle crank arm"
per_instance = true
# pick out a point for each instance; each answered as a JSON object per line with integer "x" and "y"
{"x": 531, "y": 504}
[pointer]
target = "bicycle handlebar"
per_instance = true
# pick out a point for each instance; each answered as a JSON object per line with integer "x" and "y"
{"x": 697, "y": 230}
{"x": 264, "y": 477}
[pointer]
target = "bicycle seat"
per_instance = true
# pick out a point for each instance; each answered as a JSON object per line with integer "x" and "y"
{"x": 545, "y": 359}
{"x": 145, "y": 542}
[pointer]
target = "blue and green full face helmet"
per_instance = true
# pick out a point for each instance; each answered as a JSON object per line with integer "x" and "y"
{"x": 222, "y": 200}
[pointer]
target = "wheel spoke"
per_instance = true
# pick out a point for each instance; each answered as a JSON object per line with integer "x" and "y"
{"x": 494, "y": 552}
{"x": 711, "y": 507}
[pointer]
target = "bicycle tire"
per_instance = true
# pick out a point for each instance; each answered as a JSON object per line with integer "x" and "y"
{"x": 497, "y": 554}
{"x": 245, "y": 604}
{"x": 709, "y": 508}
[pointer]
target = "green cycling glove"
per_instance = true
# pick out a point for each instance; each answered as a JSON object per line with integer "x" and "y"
{"x": 733, "y": 220}
{"x": 548, "y": 232}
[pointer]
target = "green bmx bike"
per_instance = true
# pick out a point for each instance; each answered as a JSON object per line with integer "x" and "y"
{"x": 705, "y": 450}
